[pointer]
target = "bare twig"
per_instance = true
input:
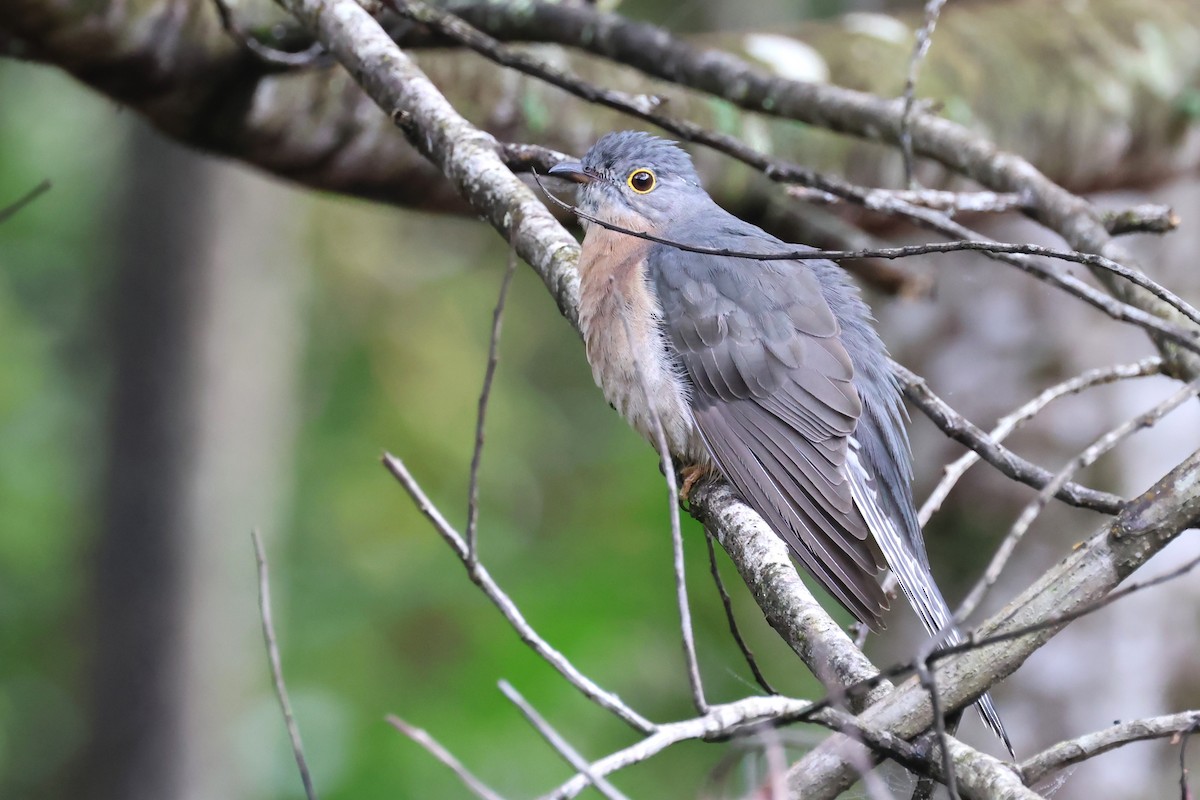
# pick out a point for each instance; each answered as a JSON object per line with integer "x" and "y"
{"x": 422, "y": 737}
{"x": 488, "y": 375}
{"x": 307, "y": 57}
{"x": 1085, "y": 459}
{"x": 24, "y": 200}
{"x": 733, "y": 719}
{"x": 642, "y": 107}
{"x": 929, "y": 681}
{"x": 660, "y": 53}
{"x": 1019, "y": 416}
{"x": 1081, "y": 584}
{"x": 939, "y": 199}
{"x": 523, "y": 157}
{"x": 483, "y": 579}
{"x": 1154, "y": 321}
{"x": 1061, "y": 620}
{"x": 1073, "y": 751}
{"x": 975, "y": 642}
{"x": 1185, "y": 791}
{"x": 1007, "y": 252}
{"x": 668, "y": 468}
{"x": 560, "y": 744}
{"x": 1145, "y": 218}
{"x": 837, "y": 700}
{"x": 724, "y": 720}
{"x": 764, "y": 562}
{"x": 657, "y": 52}
{"x": 965, "y": 432}
{"x": 784, "y": 172}
{"x": 720, "y": 721}
{"x": 924, "y": 39}
{"x": 734, "y": 630}
{"x": 268, "y": 626}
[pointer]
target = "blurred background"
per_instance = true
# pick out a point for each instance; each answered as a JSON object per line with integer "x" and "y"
{"x": 191, "y": 350}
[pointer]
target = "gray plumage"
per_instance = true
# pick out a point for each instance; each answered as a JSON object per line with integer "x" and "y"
{"x": 770, "y": 369}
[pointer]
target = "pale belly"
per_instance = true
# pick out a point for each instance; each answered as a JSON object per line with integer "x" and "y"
{"x": 633, "y": 367}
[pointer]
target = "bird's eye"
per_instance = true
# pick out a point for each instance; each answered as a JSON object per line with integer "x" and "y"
{"x": 641, "y": 180}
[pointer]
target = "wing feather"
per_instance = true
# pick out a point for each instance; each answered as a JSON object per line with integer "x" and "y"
{"x": 744, "y": 467}
{"x": 774, "y": 400}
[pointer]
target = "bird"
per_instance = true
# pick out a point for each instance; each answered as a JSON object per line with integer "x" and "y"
{"x": 768, "y": 372}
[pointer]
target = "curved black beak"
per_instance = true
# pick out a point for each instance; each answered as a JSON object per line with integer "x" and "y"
{"x": 572, "y": 171}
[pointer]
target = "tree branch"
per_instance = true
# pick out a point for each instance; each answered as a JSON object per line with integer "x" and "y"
{"x": 1018, "y": 417}
{"x": 962, "y": 430}
{"x": 281, "y": 692}
{"x": 435, "y": 748}
{"x": 1143, "y": 528}
{"x": 483, "y": 579}
{"x": 1064, "y": 754}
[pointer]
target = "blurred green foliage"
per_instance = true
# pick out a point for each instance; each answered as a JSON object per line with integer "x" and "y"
{"x": 52, "y": 272}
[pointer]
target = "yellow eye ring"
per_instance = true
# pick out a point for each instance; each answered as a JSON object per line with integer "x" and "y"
{"x": 642, "y": 180}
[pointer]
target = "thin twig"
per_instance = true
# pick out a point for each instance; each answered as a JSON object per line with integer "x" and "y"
{"x": 308, "y": 57}
{"x": 1151, "y": 365}
{"x": 524, "y": 157}
{"x": 726, "y": 719}
{"x": 837, "y": 699}
{"x": 929, "y": 682}
{"x": 24, "y": 200}
{"x": 642, "y": 107}
{"x": 975, "y": 642}
{"x": 1185, "y": 792}
{"x": 939, "y": 199}
{"x": 972, "y": 242}
{"x": 1085, "y": 459}
{"x": 268, "y": 626}
{"x": 1035, "y": 768}
{"x": 924, "y": 39}
{"x": 422, "y": 737}
{"x": 488, "y": 375}
{"x": 720, "y": 721}
{"x": 1052, "y": 274}
{"x": 1145, "y": 218}
{"x": 561, "y": 745}
{"x": 727, "y": 604}
{"x": 962, "y": 430}
{"x": 732, "y": 719}
{"x": 658, "y": 52}
{"x": 479, "y": 575}
{"x": 668, "y": 468}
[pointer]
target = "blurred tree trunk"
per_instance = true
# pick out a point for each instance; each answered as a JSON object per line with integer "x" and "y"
{"x": 205, "y": 318}
{"x": 135, "y": 616}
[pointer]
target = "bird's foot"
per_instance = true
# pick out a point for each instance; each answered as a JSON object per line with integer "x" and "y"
{"x": 691, "y": 476}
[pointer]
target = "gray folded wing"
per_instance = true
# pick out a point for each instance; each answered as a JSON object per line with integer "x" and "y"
{"x": 773, "y": 398}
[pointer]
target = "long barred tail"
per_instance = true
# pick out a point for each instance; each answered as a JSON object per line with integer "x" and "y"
{"x": 911, "y": 570}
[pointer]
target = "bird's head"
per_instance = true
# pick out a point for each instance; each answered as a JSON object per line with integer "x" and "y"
{"x": 631, "y": 175}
